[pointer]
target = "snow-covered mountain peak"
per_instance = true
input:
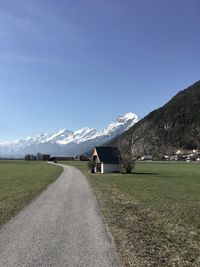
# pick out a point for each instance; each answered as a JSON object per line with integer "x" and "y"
{"x": 84, "y": 134}
{"x": 130, "y": 116}
{"x": 2, "y": 143}
{"x": 83, "y": 130}
{"x": 61, "y": 134}
{"x": 127, "y": 117}
{"x": 121, "y": 124}
{"x": 62, "y": 131}
{"x": 66, "y": 142}
{"x": 28, "y": 138}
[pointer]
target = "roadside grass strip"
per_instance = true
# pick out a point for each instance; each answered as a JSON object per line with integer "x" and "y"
{"x": 153, "y": 214}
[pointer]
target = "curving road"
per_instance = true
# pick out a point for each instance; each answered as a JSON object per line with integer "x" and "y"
{"x": 62, "y": 227}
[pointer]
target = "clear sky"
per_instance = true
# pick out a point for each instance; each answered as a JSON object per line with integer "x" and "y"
{"x": 76, "y": 63}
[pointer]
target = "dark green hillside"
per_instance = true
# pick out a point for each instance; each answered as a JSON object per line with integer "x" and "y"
{"x": 174, "y": 126}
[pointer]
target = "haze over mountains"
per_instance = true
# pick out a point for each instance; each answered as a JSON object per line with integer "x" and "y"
{"x": 66, "y": 142}
{"x": 175, "y": 126}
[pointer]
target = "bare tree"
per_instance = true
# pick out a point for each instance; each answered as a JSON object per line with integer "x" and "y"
{"x": 92, "y": 164}
{"x": 127, "y": 160}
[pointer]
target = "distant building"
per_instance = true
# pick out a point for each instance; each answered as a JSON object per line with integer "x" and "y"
{"x": 39, "y": 156}
{"x": 30, "y": 157}
{"x": 147, "y": 157}
{"x": 63, "y": 158}
{"x": 45, "y": 157}
{"x": 107, "y": 159}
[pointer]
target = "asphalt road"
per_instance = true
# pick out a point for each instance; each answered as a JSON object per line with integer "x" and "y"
{"x": 62, "y": 227}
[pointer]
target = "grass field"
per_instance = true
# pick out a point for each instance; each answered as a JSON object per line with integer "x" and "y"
{"x": 20, "y": 182}
{"x": 153, "y": 214}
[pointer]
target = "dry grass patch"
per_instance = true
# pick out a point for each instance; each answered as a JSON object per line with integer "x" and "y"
{"x": 153, "y": 214}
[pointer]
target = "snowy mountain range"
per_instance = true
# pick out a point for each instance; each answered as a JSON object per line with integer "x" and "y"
{"x": 66, "y": 142}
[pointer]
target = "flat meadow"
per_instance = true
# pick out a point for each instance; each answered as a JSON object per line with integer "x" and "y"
{"x": 20, "y": 182}
{"x": 153, "y": 213}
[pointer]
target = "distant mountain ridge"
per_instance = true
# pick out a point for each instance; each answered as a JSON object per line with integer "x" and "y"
{"x": 175, "y": 126}
{"x": 66, "y": 142}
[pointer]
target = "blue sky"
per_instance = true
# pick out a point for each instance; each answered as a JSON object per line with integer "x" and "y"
{"x": 71, "y": 64}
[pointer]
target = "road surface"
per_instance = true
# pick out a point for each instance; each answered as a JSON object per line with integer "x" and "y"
{"x": 62, "y": 227}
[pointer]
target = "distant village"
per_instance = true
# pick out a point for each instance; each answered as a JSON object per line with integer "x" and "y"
{"x": 180, "y": 155}
{"x": 48, "y": 157}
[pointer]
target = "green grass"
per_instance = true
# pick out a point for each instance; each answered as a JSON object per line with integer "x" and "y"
{"x": 153, "y": 214}
{"x": 20, "y": 182}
